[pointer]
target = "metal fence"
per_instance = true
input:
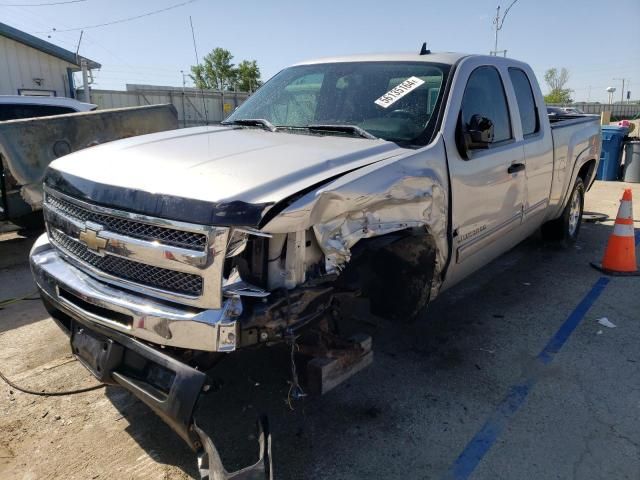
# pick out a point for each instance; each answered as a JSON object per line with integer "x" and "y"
{"x": 628, "y": 110}
{"x": 195, "y": 107}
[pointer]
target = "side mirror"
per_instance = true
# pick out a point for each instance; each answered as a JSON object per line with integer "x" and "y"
{"x": 478, "y": 133}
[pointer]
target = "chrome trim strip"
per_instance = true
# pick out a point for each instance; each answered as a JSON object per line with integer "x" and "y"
{"x": 253, "y": 231}
{"x": 208, "y": 330}
{"x": 234, "y": 286}
{"x": 122, "y": 282}
{"x": 208, "y": 263}
{"x": 130, "y": 248}
{"x": 541, "y": 205}
{"x": 488, "y": 236}
{"x": 136, "y": 217}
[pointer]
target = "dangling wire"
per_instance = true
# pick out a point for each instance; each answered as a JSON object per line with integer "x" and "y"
{"x": 295, "y": 390}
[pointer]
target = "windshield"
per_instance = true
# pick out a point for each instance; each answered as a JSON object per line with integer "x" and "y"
{"x": 395, "y": 101}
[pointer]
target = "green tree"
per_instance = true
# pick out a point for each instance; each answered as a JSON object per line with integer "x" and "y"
{"x": 248, "y": 76}
{"x": 557, "y": 81}
{"x": 217, "y": 72}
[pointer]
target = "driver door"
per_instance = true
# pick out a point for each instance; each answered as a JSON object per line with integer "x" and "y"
{"x": 488, "y": 184}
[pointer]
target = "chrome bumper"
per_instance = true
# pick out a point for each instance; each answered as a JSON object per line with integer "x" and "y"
{"x": 82, "y": 297}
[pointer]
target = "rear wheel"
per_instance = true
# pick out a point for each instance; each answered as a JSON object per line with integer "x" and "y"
{"x": 564, "y": 229}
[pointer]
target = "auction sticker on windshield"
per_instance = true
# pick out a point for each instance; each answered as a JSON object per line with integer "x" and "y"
{"x": 396, "y": 93}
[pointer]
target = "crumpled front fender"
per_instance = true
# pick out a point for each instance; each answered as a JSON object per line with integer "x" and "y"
{"x": 404, "y": 192}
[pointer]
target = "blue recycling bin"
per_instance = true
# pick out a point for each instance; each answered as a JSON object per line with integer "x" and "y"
{"x": 611, "y": 154}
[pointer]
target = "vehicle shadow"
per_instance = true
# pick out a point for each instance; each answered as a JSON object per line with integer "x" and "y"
{"x": 17, "y": 283}
{"x": 15, "y": 246}
{"x": 451, "y": 353}
{"x": 248, "y": 385}
{"x": 151, "y": 433}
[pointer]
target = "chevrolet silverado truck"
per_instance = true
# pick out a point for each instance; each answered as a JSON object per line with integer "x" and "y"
{"x": 390, "y": 176}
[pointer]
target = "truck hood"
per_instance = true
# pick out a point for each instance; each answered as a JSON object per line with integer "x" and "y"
{"x": 223, "y": 164}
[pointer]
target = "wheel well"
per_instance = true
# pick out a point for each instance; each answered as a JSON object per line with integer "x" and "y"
{"x": 394, "y": 271}
{"x": 586, "y": 172}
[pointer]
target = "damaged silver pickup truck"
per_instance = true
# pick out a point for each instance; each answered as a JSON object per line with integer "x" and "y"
{"x": 387, "y": 176}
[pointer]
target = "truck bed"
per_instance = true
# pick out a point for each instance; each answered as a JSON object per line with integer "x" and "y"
{"x": 569, "y": 119}
{"x": 573, "y": 136}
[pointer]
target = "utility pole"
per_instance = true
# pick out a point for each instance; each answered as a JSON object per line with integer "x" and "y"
{"x": 622, "y": 93}
{"x": 499, "y": 22}
{"x": 83, "y": 67}
{"x": 85, "y": 80}
{"x": 496, "y": 22}
{"x": 184, "y": 112}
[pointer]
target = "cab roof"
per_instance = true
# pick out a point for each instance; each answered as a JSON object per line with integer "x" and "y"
{"x": 448, "y": 58}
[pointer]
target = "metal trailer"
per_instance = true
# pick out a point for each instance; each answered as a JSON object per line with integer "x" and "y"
{"x": 28, "y": 146}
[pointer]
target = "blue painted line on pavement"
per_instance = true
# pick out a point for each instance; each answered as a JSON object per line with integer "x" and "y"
{"x": 637, "y": 237}
{"x": 482, "y": 442}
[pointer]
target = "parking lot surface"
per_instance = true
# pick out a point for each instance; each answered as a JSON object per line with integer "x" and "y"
{"x": 509, "y": 375}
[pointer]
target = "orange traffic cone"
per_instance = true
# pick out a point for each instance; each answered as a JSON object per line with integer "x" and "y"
{"x": 620, "y": 255}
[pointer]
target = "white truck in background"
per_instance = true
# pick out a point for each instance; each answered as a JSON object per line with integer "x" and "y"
{"x": 394, "y": 176}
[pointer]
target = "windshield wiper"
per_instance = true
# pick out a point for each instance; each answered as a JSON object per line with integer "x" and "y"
{"x": 352, "y": 129}
{"x": 252, "y": 122}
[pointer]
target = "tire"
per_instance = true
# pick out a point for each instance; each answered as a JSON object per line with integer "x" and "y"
{"x": 399, "y": 284}
{"x": 564, "y": 230}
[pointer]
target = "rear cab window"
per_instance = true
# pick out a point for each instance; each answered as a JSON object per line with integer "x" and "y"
{"x": 526, "y": 102}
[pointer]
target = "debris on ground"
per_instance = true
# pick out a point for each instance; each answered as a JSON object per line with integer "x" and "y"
{"x": 593, "y": 217}
{"x": 605, "y": 322}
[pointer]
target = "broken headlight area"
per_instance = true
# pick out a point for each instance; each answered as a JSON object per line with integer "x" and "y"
{"x": 280, "y": 281}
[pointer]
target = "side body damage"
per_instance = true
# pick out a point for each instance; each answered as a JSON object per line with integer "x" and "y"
{"x": 407, "y": 193}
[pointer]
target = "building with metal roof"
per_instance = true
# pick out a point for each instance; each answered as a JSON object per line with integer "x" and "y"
{"x": 32, "y": 66}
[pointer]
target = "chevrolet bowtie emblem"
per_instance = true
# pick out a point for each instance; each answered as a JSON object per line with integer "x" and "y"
{"x": 89, "y": 236}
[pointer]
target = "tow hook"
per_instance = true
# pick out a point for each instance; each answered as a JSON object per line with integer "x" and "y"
{"x": 211, "y": 467}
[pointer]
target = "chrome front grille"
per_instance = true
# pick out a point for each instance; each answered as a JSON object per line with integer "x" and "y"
{"x": 162, "y": 278}
{"x": 143, "y": 231}
{"x": 172, "y": 260}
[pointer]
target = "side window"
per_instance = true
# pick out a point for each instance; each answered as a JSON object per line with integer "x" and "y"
{"x": 526, "y": 102}
{"x": 484, "y": 95}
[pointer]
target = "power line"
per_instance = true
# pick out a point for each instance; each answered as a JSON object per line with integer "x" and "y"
{"x": 137, "y": 73}
{"x": 122, "y": 20}
{"x": 40, "y": 4}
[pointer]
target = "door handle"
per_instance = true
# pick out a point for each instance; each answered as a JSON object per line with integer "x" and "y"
{"x": 515, "y": 167}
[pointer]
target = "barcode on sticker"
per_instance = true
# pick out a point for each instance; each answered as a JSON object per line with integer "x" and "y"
{"x": 396, "y": 93}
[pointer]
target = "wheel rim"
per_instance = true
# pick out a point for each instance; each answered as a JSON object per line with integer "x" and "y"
{"x": 574, "y": 212}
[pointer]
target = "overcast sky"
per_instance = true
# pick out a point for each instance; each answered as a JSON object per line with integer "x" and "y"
{"x": 596, "y": 40}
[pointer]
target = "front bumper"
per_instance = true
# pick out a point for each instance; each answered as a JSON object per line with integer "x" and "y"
{"x": 85, "y": 299}
{"x": 95, "y": 318}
